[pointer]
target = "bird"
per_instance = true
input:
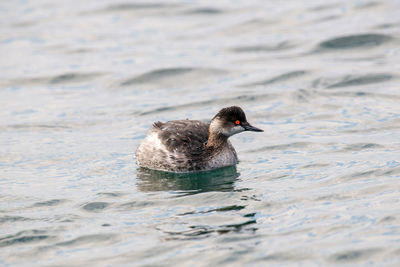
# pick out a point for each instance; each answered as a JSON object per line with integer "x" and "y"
{"x": 183, "y": 146}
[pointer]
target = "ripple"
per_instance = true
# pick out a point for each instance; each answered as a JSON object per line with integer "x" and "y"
{"x": 394, "y": 171}
{"x": 279, "y": 78}
{"x": 262, "y": 48}
{"x": 111, "y": 194}
{"x": 155, "y": 75}
{"x": 74, "y": 77}
{"x": 355, "y": 41}
{"x": 360, "y": 147}
{"x": 283, "y": 147}
{"x": 362, "y": 80}
{"x": 332, "y": 197}
{"x": 324, "y": 7}
{"x": 58, "y": 79}
{"x": 53, "y": 202}
{"x": 240, "y": 225}
{"x": 251, "y": 25}
{"x": 327, "y": 18}
{"x": 388, "y": 219}
{"x": 134, "y": 205}
{"x": 371, "y": 4}
{"x": 221, "y": 209}
{"x": 89, "y": 239}
{"x": 204, "y": 11}
{"x": 137, "y": 6}
{"x": 301, "y": 96}
{"x": 34, "y": 127}
{"x": 387, "y": 26}
{"x": 26, "y": 23}
{"x": 24, "y": 237}
{"x": 95, "y": 206}
{"x": 352, "y": 80}
{"x": 316, "y": 165}
{"x": 203, "y": 231}
{"x": 194, "y": 231}
{"x": 368, "y": 173}
{"x": 364, "y": 94}
{"x": 213, "y": 102}
{"x": 393, "y": 125}
{"x": 289, "y": 256}
{"x": 160, "y": 75}
{"x": 354, "y": 255}
{"x": 381, "y": 172}
{"x": 5, "y": 219}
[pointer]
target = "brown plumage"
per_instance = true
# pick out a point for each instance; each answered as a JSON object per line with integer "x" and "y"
{"x": 191, "y": 145}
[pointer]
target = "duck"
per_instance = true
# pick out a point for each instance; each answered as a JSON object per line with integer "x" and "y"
{"x": 183, "y": 146}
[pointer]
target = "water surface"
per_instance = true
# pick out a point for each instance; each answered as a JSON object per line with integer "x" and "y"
{"x": 81, "y": 83}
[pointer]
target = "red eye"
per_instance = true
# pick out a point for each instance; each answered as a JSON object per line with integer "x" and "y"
{"x": 237, "y": 122}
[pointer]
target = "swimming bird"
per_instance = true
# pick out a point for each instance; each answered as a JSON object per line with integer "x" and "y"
{"x": 192, "y": 145}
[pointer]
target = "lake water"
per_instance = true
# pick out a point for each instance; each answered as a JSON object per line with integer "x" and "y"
{"x": 81, "y": 82}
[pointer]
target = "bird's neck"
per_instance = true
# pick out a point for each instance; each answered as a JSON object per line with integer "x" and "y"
{"x": 216, "y": 140}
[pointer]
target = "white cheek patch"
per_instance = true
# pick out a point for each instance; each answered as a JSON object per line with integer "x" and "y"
{"x": 234, "y": 130}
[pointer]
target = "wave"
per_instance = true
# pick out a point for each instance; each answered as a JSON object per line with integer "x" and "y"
{"x": 354, "y": 41}
{"x": 170, "y": 75}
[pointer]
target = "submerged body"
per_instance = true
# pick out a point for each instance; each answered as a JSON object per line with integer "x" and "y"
{"x": 191, "y": 145}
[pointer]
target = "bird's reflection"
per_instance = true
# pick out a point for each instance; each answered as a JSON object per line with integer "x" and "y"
{"x": 190, "y": 183}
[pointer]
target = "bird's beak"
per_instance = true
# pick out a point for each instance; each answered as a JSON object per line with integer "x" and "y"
{"x": 248, "y": 127}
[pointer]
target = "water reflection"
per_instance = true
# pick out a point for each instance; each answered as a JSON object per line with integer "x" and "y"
{"x": 216, "y": 180}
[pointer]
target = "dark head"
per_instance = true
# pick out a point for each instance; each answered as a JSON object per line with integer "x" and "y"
{"x": 230, "y": 121}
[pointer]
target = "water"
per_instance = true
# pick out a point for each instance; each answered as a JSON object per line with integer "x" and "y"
{"x": 82, "y": 82}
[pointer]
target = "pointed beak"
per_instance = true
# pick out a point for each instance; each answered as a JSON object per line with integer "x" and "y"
{"x": 248, "y": 127}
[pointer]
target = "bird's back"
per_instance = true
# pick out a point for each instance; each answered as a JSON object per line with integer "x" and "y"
{"x": 175, "y": 146}
{"x": 185, "y": 136}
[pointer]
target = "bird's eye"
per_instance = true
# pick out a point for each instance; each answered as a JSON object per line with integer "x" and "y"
{"x": 237, "y": 122}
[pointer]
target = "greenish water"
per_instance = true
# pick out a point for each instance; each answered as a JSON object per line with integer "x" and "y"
{"x": 81, "y": 84}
